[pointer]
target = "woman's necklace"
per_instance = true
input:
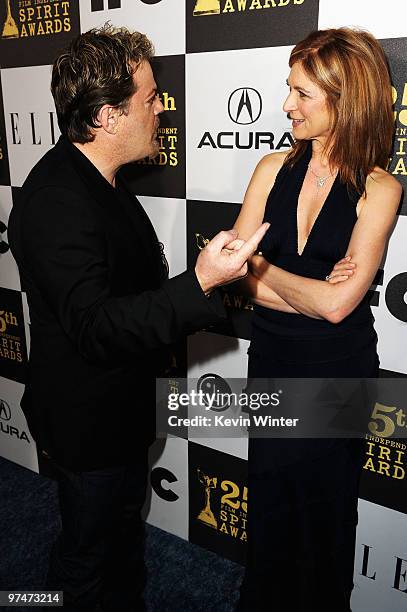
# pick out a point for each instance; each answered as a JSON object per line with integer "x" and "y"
{"x": 321, "y": 180}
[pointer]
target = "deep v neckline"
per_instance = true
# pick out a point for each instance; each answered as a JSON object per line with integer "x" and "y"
{"x": 321, "y": 210}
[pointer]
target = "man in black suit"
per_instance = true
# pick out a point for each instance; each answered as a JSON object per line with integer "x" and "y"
{"x": 103, "y": 313}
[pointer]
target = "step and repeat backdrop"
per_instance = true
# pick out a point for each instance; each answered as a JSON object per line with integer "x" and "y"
{"x": 221, "y": 67}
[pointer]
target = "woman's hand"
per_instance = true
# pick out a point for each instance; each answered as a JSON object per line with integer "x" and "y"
{"x": 341, "y": 271}
{"x": 257, "y": 263}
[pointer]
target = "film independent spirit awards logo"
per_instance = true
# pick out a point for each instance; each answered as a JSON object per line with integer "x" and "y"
{"x": 231, "y": 519}
{"x": 45, "y": 17}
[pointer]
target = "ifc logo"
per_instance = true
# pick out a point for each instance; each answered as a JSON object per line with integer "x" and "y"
{"x": 160, "y": 475}
{"x": 245, "y": 105}
{"x": 99, "y": 5}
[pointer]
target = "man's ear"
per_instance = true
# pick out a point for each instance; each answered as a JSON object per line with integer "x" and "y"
{"x": 108, "y": 118}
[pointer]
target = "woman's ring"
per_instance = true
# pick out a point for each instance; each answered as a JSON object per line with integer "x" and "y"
{"x": 328, "y": 277}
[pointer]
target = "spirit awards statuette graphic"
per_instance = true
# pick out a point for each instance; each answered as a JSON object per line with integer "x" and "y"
{"x": 10, "y": 29}
{"x": 206, "y": 515}
{"x": 207, "y": 7}
{"x": 201, "y": 241}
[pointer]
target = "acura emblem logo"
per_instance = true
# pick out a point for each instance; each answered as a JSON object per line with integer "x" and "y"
{"x": 5, "y": 412}
{"x": 245, "y": 105}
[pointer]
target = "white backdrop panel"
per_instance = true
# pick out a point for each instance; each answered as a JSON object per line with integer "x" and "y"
{"x": 226, "y": 357}
{"x": 168, "y": 217}
{"x": 384, "y": 530}
{"x": 30, "y": 128}
{"x": 9, "y": 276}
{"x": 392, "y": 332}
{"x": 383, "y": 19}
{"x": 223, "y": 355}
{"x": 212, "y": 105}
{"x": 16, "y": 443}
{"x": 168, "y": 508}
{"x": 163, "y": 22}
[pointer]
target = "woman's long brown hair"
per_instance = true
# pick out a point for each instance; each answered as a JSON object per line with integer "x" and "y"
{"x": 351, "y": 68}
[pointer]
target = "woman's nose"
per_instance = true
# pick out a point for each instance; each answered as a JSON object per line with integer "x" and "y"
{"x": 289, "y": 103}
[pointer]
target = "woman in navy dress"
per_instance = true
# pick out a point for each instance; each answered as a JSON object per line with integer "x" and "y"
{"x": 329, "y": 199}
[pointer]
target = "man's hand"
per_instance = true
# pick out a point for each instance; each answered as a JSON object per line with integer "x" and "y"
{"x": 224, "y": 259}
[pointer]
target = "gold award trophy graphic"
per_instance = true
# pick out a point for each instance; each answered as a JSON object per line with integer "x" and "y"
{"x": 201, "y": 241}
{"x": 206, "y": 515}
{"x": 207, "y": 7}
{"x": 10, "y": 29}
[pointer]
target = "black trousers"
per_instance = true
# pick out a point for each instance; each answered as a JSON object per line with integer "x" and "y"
{"x": 98, "y": 558}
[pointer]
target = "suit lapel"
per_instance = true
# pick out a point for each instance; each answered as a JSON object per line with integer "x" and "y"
{"x": 125, "y": 216}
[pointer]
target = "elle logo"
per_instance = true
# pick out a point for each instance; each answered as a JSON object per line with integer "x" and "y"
{"x": 399, "y": 570}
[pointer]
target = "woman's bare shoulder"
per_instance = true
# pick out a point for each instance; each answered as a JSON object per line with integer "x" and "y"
{"x": 268, "y": 168}
{"x": 382, "y": 196}
{"x": 380, "y": 181}
{"x": 275, "y": 160}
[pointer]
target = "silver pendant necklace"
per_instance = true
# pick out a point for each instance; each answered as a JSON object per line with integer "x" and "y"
{"x": 321, "y": 180}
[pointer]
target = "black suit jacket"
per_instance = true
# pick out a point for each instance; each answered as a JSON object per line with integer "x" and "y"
{"x": 102, "y": 310}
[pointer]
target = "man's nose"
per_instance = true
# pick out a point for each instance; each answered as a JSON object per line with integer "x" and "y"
{"x": 159, "y": 108}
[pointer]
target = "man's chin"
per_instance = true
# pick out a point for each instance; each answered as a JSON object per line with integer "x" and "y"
{"x": 148, "y": 153}
{"x": 154, "y": 151}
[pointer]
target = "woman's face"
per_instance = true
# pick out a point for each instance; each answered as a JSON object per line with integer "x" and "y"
{"x": 306, "y": 107}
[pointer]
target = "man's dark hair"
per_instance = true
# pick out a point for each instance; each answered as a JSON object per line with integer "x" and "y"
{"x": 96, "y": 69}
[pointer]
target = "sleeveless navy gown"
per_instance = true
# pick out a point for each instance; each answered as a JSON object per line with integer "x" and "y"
{"x": 304, "y": 492}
